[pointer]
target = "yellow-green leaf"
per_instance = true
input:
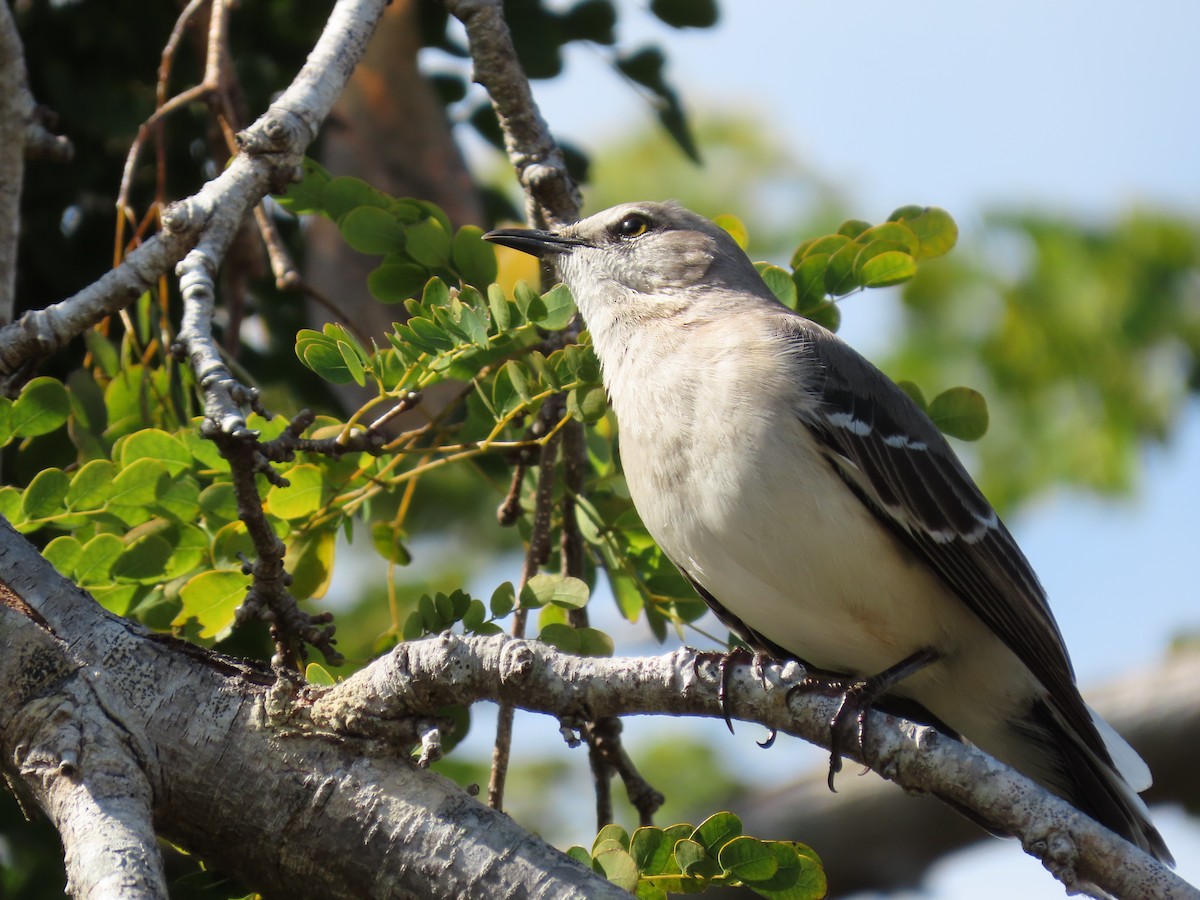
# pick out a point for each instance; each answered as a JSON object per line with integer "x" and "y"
{"x": 211, "y": 598}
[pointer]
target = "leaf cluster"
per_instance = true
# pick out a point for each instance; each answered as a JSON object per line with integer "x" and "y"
{"x": 686, "y": 859}
{"x": 860, "y": 255}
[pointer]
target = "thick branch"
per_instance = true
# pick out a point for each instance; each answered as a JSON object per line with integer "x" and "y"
{"x": 864, "y": 850}
{"x": 290, "y": 812}
{"x": 428, "y": 674}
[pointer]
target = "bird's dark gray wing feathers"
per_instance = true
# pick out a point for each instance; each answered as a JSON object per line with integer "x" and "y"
{"x": 902, "y": 468}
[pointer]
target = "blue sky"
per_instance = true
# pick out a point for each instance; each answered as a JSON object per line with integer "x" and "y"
{"x": 1073, "y": 107}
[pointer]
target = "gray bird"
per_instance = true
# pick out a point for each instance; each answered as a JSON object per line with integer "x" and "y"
{"x": 817, "y": 509}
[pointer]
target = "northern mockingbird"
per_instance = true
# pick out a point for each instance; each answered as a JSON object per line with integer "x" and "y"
{"x": 817, "y": 509}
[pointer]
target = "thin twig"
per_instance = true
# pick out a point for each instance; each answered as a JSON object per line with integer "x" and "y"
{"x": 163, "y": 106}
{"x": 535, "y": 555}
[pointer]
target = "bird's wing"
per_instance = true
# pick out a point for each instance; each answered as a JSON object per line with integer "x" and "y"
{"x": 897, "y": 462}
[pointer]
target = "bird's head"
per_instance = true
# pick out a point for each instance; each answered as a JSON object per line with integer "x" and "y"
{"x": 641, "y": 259}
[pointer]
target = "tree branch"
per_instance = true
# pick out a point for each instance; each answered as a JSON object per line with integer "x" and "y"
{"x": 235, "y": 774}
{"x": 24, "y": 136}
{"x": 863, "y": 850}
{"x": 428, "y": 674}
{"x": 552, "y": 197}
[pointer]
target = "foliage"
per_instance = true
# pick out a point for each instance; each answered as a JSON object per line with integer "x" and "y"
{"x": 1086, "y": 341}
{"x": 686, "y": 859}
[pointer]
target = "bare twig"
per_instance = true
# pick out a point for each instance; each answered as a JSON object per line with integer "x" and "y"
{"x": 535, "y": 556}
{"x": 287, "y": 276}
{"x": 164, "y": 106}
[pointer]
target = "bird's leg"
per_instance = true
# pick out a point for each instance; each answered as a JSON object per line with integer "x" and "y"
{"x": 860, "y": 695}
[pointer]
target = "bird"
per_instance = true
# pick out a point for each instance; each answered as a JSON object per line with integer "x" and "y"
{"x": 819, "y": 511}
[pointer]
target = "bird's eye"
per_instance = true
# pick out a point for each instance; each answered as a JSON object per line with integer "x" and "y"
{"x": 632, "y": 225}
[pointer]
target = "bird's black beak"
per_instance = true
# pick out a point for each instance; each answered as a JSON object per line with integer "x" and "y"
{"x": 533, "y": 242}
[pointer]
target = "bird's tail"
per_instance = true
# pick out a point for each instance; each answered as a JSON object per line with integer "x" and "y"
{"x": 1093, "y": 768}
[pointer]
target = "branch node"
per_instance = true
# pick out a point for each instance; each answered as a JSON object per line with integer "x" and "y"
{"x": 431, "y": 745}
{"x": 516, "y": 662}
{"x": 571, "y": 729}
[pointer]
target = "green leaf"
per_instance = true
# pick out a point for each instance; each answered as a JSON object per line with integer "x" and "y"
{"x": 651, "y": 850}
{"x": 717, "y": 830}
{"x": 388, "y": 541}
{"x": 587, "y": 405}
{"x": 618, "y": 867}
{"x": 561, "y": 590}
{"x": 960, "y": 412}
{"x": 780, "y": 283}
{"x": 231, "y": 542}
{"x": 354, "y": 365}
{"x": 809, "y": 278}
{"x": 91, "y": 486}
{"x": 396, "y": 282}
{"x": 152, "y": 443}
{"x": 852, "y": 228}
{"x": 611, "y": 832}
{"x": 211, "y": 598}
{"x": 42, "y": 406}
{"x": 735, "y": 227}
{"x": 897, "y": 232}
{"x": 828, "y": 245}
{"x": 144, "y": 560}
{"x": 500, "y": 307}
{"x": 915, "y": 394}
{"x": 693, "y": 860}
{"x": 474, "y": 258}
{"x": 10, "y": 503}
{"x": 63, "y": 553}
{"x": 218, "y": 503}
{"x": 935, "y": 228}
{"x": 180, "y": 498}
{"x": 136, "y": 488}
{"x": 428, "y": 243}
{"x": 189, "y": 548}
{"x": 799, "y": 874}
{"x": 580, "y": 855}
{"x": 96, "y": 559}
{"x": 503, "y": 600}
{"x": 342, "y": 194}
{"x": 748, "y": 859}
{"x": 310, "y": 561}
{"x": 6, "y": 429}
{"x": 519, "y": 377}
{"x": 302, "y": 497}
{"x": 564, "y": 637}
{"x": 886, "y": 268}
{"x": 370, "y": 229}
{"x": 315, "y": 673}
{"x": 559, "y": 309}
{"x": 305, "y": 195}
{"x": 324, "y": 358}
{"x": 826, "y": 314}
{"x": 839, "y": 273}
{"x": 45, "y": 494}
{"x": 593, "y": 642}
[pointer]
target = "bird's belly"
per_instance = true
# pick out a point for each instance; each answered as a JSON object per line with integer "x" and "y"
{"x": 795, "y": 556}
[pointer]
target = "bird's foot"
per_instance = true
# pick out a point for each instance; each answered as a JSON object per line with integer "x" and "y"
{"x": 856, "y": 698}
{"x": 725, "y": 663}
{"x": 848, "y": 723}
